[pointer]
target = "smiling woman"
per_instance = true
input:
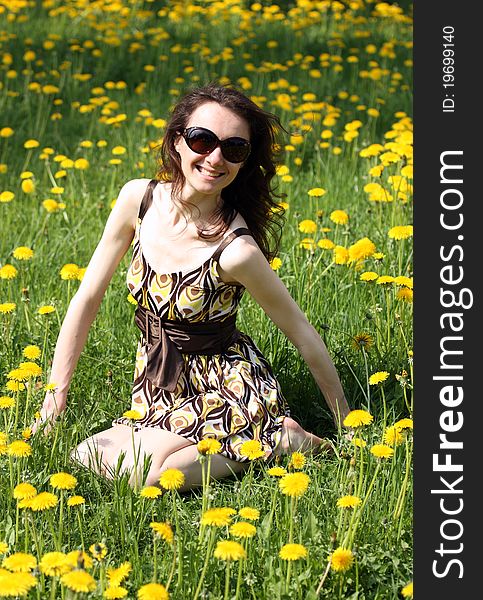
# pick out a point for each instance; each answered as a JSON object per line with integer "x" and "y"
{"x": 203, "y": 232}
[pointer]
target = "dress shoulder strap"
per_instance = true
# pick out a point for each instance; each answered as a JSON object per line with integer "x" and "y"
{"x": 229, "y": 238}
{"x": 147, "y": 198}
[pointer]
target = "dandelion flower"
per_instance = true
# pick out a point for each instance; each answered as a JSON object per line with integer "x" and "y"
{"x": 229, "y": 550}
{"x": 359, "y": 442}
{"x": 358, "y": 418}
{"x": 16, "y": 584}
{"x": 243, "y": 530}
{"x": 43, "y": 501}
{"x": 297, "y": 460}
{"x": 326, "y": 244}
{"x": 277, "y": 471}
{"x": 47, "y": 309}
{"x": 217, "y": 517}
{"x": 150, "y": 491}
{"x": 24, "y": 490}
{"x": 153, "y": 591}
{"x": 7, "y": 402}
{"x": 407, "y": 590}
{"x": 54, "y": 564}
{"x": 316, "y": 192}
{"x": 133, "y": 415}
{"x": 208, "y": 446}
{"x": 69, "y": 271}
{"x": 163, "y": 530}
{"x": 3, "y": 547}
{"x": 293, "y": 552}
{"x": 400, "y": 232}
{"x": 275, "y": 263}
{"x": 378, "y": 377}
{"x": 294, "y": 484}
{"x": 19, "y": 449}
{"x": 362, "y": 341}
{"x": 32, "y": 352}
{"x": 382, "y": 451}
{"x": 393, "y": 436}
{"x": 308, "y": 226}
{"x": 361, "y": 249}
{"x": 8, "y": 272}
{"x": 117, "y": 576}
{"x": 75, "y": 501}
{"x": 79, "y": 581}
{"x": 252, "y": 514}
{"x": 348, "y": 501}
{"x": 23, "y": 253}
{"x": 339, "y": 217}
{"x": 172, "y": 479}
{"x": 20, "y": 562}
{"x": 63, "y": 481}
{"x": 368, "y": 276}
{"x": 252, "y": 449}
{"x": 404, "y": 424}
{"x": 341, "y": 559}
{"x": 405, "y": 294}
{"x": 341, "y": 255}
{"x": 115, "y": 592}
{"x": 98, "y": 551}
{"x": 7, "y": 307}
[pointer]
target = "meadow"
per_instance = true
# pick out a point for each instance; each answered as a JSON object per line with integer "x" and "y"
{"x": 85, "y": 91}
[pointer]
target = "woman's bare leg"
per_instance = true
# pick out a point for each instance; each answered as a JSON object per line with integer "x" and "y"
{"x": 112, "y": 450}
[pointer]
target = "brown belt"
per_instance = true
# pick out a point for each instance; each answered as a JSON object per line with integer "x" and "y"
{"x": 166, "y": 340}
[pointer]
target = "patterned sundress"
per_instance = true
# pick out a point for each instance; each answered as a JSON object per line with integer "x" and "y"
{"x": 233, "y": 397}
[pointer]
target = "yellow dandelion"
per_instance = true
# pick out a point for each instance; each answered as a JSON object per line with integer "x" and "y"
{"x": 348, "y": 501}
{"x": 79, "y": 581}
{"x": 339, "y": 217}
{"x": 229, "y": 550}
{"x": 117, "y": 575}
{"x": 385, "y": 280}
{"x": 153, "y": 591}
{"x": 277, "y": 471}
{"x": 405, "y": 294}
{"x": 247, "y": 512}
{"x": 133, "y": 415}
{"x": 293, "y": 552}
{"x": 208, "y": 446}
{"x": 24, "y": 490}
{"x": 150, "y": 491}
{"x": 6, "y": 402}
{"x": 31, "y": 352}
{"x": 359, "y": 442}
{"x": 76, "y": 501}
{"x": 358, "y": 418}
{"x": 308, "y": 226}
{"x": 23, "y": 253}
{"x": 29, "y": 144}
{"x": 316, "y": 192}
{"x": 43, "y": 501}
{"x": 404, "y": 424}
{"x": 69, "y": 271}
{"x": 243, "y": 530}
{"x": 98, "y": 550}
{"x": 378, "y": 377}
{"x": 20, "y": 562}
{"x": 326, "y": 244}
{"x": 369, "y": 276}
{"x": 217, "y": 517}
{"x": 400, "y": 232}
{"x": 47, "y": 309}
{"x": 54, "y": 564}
{"x": 275, "y": 263}
{"x": 118, "y": 150}
{"x": 8, "y": 272}
{"x": 172, "y": 479}
{"x": 363, "y": 248}
{"x": 252, "y": 449}
{"x": 79, "y": 559}
{"x": 63, "y": 481}
{"x": 297, "y": 460}
{"x": 163, "y": 530}
{"x": 341, "y": 559}
{"x": 407, "y": 590}
{"x": 294, "y": 484}
{"x": 16, "y": 584}
{"x": 19, "y": 449}
{"x": 7, "y": 307}
{"x": 115, "y": 592}
{"x": 382, "y": 451}
{"x": 393, "y": 436}
{"x": 341, "y": 255}
{"x": 6, "y": 196}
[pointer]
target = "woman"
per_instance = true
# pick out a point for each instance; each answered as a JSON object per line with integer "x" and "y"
{"x": 200, "y": 239}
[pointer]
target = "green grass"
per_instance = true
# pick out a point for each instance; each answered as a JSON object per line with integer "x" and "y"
{"x": 334, "y": 299}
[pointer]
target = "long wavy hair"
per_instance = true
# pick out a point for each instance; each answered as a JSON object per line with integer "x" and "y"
{"x": 250, "y": 193}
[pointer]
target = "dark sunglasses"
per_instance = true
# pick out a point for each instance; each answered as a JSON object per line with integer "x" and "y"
{"x": 204, "y": 141}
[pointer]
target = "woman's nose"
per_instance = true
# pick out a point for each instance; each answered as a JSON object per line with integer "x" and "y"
{"x": 215, "y": 156}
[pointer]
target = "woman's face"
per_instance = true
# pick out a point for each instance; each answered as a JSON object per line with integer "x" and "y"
{"x": 208, "y": 174}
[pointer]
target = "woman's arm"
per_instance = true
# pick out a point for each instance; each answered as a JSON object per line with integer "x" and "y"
{"x": 83, "y": 307}
{"x": 244, "y": 262}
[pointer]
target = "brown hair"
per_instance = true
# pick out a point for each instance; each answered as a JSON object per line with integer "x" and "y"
{"x": 250, "y": 193}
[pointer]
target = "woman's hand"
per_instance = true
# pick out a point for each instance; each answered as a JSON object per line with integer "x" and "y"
{"x": 53, "y": 406}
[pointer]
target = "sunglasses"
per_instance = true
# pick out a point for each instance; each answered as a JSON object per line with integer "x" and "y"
{"x": 204, "y": 141}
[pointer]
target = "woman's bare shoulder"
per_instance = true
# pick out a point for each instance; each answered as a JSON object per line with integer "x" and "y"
{"x": 130, "y": 197}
